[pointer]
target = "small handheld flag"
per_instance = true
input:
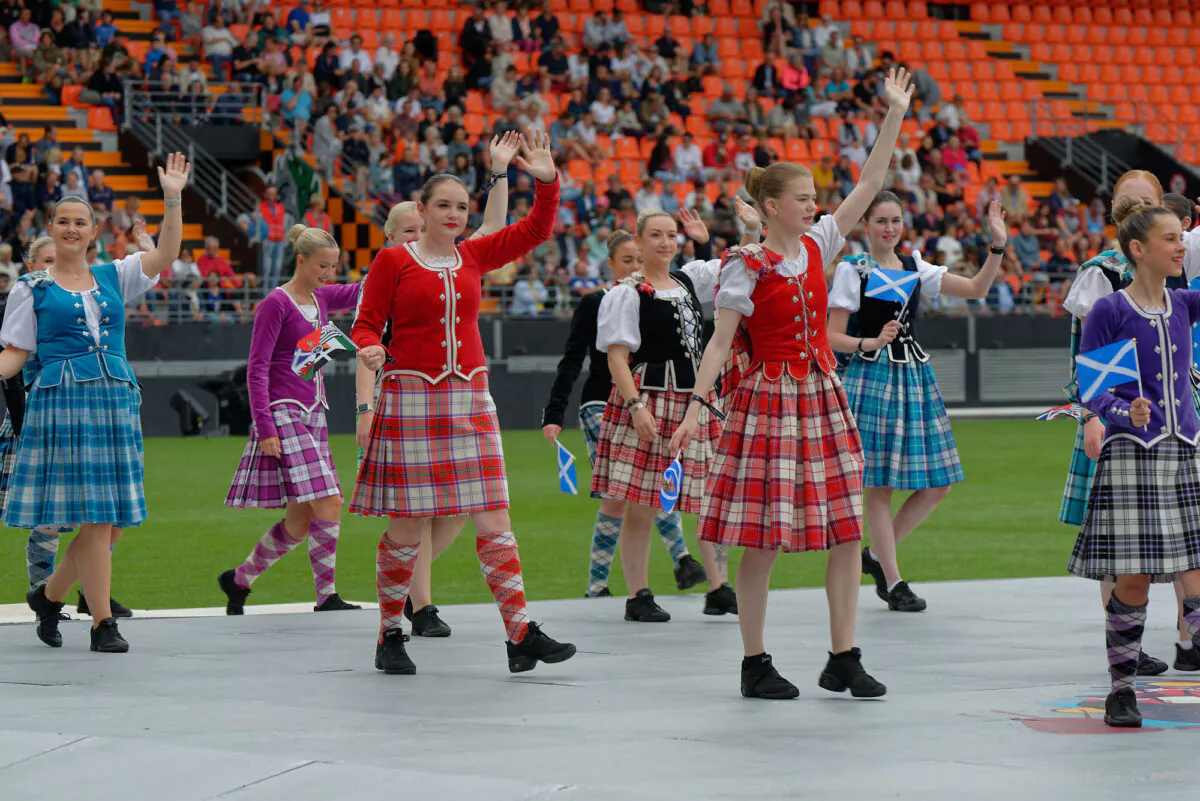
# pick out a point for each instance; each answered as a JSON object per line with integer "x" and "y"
{"x": 894, "y": 285}
{"x": 668, "y": 496}
{"x": 1069, "y": 410}
{"x": 1107, "y": 367}
{"x": 315, "y": 350}
{"x": 566, "y": 470}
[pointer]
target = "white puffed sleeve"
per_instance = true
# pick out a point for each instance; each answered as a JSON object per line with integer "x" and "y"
{"x": 704, "y": 277}
{"x": 20, "y": 321}
{"x": 828, "y": 238}
{"x": 1191, "y": 254}
{"x": 618, "y": 321}
{"x": 737, "y": 284}
{"x": 134, "y": 282}
{"x": 846, "y": 292}
{"x": 931, "y": 275}
{"x": 1089, "y": 287}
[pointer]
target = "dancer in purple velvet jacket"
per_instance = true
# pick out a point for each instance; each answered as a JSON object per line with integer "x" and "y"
{"x": 287, "y": 463}
{"x": 1142, "y": 523}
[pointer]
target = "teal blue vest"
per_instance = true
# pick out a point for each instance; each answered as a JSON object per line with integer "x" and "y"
{"x": 64, "y": 341}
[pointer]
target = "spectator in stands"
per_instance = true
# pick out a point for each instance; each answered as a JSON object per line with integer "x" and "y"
{"x": 105, "y": 29}
{"x": 1060, "y": 199}
{"x": 926, "y": 90}
{"x": 528, "y": 293}
{"x": 99, "y": 194}
{"x": 546, "y": 25}
{"x": 553, "y": 64}
{"x": 705, "y": 57}
{"x": 1027, "y": 248}
{"x": 218, "y": 46}
{"x": 832, "y": 54}
{"x": 766, "y": 79}
{"x": 229, "y": 108}
{"x": 858, "y": 58}
{"x": 499, "y": 24}
{"x": 725, "y": 111}
{"x": 838, "y": 92}
{"x": 48, "y": 58}
{"x": 524, "y": 30}
{"x": 387, "y": 56}
{"x": 355, "y": 56}
{"x": 824, "y": 31}
{"x": 72, "y": 187}
{"x": 24, "y": 36}
{"x": 1015, "y": 200}
{"x": 276, "y": 217}
{"x": 316, "y": 216}
{"x": 297, "y": 103}
{"x": 327, "y": 139}
{"x": 211, "y": 263}
{"x": 954, "y": 157}
{"x": 475, "y": 37}
{"x": 8, "y": 268}
{"x": 689, "y": 160}
{"x": 184, "y": 269}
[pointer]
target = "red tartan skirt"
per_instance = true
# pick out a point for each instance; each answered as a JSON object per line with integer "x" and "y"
{"x": 434, "y": 452}
{"x": 630, "y": 469}
{"x": 789, "y": 467}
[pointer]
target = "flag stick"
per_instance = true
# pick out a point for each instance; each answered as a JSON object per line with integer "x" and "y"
{"x": 1141, "y": 394}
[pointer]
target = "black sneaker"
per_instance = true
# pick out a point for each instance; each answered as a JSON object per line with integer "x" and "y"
{"x": 721, "y": 601}
{"x": 689, "y": 572}
{"x": 844, "y": 671}
{"x": 642, "y": 608}
{"x": 903, "y": 599}
{"x": 48, "y": 614}
{"x": 117, "y": 608}
{"x": 604, "y": 593}
{"x": 1186, "y": 659}
{"x": 872, "y": 568}
{"x": 1151, "y": 666}
{"x": 235, "y": 593}
{"x": 537, "y": 647}
{"x": 106, "y": 639}
{"x": 390, "y": 656}
{"x": 762, "y": 680}
{"x": 1121, "y": 710}
{"x": 427, "y": 623}
{"x": 334, "y": 603}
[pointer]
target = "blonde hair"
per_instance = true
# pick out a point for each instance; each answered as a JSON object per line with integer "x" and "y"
{"x": 644, "y": 217}
{"x": 1134, "y": 175}
{"x": 393, "y": 219}
{"x": 308, "y": 241}
{"x": 35, "y": 247}
{"x": 763, "y": 183}
{"x": 1135, "y": 219}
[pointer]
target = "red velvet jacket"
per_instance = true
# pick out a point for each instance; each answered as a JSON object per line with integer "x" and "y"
{"x": 434, "y": 311}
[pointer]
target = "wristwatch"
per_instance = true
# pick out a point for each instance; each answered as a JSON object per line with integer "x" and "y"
{"x": 363, "y": 408}
{"x": 999, "y": 251}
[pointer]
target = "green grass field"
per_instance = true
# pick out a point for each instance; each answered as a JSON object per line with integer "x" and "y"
{"x": 1001, "y": 523}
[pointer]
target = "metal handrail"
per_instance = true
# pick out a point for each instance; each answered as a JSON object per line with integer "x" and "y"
{"x": 1066, "y": 139}
{"x": 148, "y": 115}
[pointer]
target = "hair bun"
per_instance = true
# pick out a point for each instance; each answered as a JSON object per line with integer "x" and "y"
{"x": 1128, "y": 206}
{"x": 754, "y": 181}
{"x": 296, "y": 232}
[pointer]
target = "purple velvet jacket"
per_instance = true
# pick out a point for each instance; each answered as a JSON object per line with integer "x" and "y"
{"x": 1164, "y": 351}
{"x": 278, "y": 326}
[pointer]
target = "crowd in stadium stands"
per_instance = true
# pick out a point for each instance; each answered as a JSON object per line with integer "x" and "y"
{"x": 390, "y": 118}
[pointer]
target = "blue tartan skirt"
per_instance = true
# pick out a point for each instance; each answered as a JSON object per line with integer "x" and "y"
{"x": 901, "y": 417}
{"x": 590, "y": 417}
{"x": 79, "y": 458}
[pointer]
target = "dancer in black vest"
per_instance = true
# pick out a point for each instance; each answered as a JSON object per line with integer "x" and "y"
{"x": 906, "y": 434}
{"x": 651, "y": 325}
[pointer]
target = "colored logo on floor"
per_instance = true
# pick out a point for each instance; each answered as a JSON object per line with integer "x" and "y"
{"x": 1164, "y": 704}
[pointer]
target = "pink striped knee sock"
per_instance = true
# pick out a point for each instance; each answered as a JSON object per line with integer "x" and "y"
{"x": 322, "y": 552}
{"x": 273, "y": 546}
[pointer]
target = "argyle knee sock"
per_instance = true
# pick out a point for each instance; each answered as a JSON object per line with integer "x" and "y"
{"x": 501, "y": 566}
{"x": 1123, "y": 635}
{"x": 1191, "y": 617}
{"x": 605, "y": 535}
{"x": 394, "y": 566}
{"x": 39, "y": 555}
{"x": 322, "y": 553}
{"x": 272, "y": 547}
{"x": 670, "y": 528}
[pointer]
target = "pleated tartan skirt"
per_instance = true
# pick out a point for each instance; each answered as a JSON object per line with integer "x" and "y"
{"x": 79, "y": 457}
{"x": 1079, "y": 483}
{"x": 591, "y": 416}
{"x": 1143, "y": 516}
{"x": 8, "y": 457}
{"x": 630, "y": 469}
{"x": 303, "y": 472}
{"x": 902, "y": 420}
{"x": 435, "y": 451}
{"x": 788, "y": 473}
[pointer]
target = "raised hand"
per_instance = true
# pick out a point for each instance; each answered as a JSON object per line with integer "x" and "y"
{"x": 175, "y": 177}
{"x": 142, "y": 239}
{"x": 503, "y": 150}
{"x": 747, "y": 214}
{"x": 693, "y": 226}
{"x": 997, "y": 224}
{"x": 535, "y": 148}
{"x": 898, "y": 89}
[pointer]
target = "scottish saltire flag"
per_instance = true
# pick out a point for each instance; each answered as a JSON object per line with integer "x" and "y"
{"x": 668, "y": 496}
{"x": 1069, "y": 410}
{"x": 315, "y": 350}
{"x": 566, "y": 470}
{"x": 894, "y": 285}
{"x": 1107, "y": 367}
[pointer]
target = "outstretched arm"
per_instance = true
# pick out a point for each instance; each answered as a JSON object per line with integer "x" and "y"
{"x": 170, "y": 235}
{"x": 977, "y": 287}
{"x": 495, "y": 213}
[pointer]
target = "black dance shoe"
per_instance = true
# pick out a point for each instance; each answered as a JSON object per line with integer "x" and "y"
{"x": 721, "y": 601}
{"x": 48, "y": 614}
{"x": 1151, "y": 666}
{"x": 107, "y": 640}
{"x": 117, "y": 608}
{"x": 872, "y": 568}
{"x": 844, "y": 671}
{"x": 688, "y": 573}
{"x": 1121, "y": 710}
{"x": 903, "y": 599}
{"x": 760, "y": 679}
{"x": 536, "y": 647}
{"x": 236, "y": 594}
{"x": 334, "y": 603}
{"x": 642, "y": 608}
{"x": 390, "y": 656}
{"x": 427, "y": 623}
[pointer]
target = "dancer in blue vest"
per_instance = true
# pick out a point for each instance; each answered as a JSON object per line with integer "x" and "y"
{"x": 79, "y": 458}
{"x": 892, "y": 390}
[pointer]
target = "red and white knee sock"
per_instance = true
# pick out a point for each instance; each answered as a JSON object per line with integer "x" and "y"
{"x": 501, "y": 566}
{"x": 322, "y": 553}
{"x": 273, "y": 546}
{"x": 393, "y": 577}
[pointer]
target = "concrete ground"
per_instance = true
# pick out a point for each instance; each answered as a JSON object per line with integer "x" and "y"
{"x": 989, "y": 692}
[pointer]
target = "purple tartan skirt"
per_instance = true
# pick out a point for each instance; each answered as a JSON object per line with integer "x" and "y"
{"x": 303, "y": 472}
